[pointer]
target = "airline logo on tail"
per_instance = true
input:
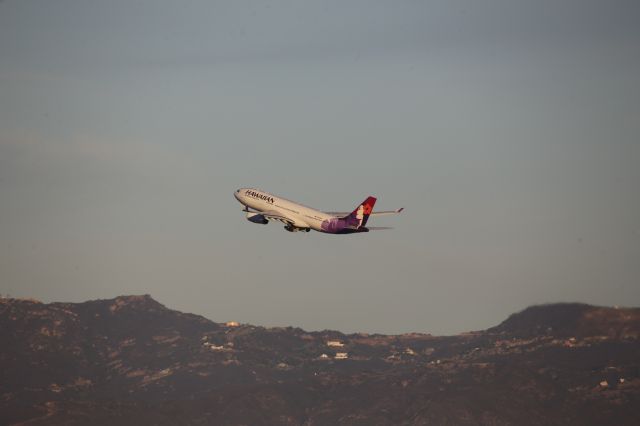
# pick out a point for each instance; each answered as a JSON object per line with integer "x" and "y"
{"x": 358, "y": 218}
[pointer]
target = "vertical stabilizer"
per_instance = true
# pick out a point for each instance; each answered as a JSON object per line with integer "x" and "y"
{"x": 358, "y": 218}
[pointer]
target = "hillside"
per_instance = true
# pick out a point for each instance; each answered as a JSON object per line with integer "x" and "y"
{"x": 131, "y": 360}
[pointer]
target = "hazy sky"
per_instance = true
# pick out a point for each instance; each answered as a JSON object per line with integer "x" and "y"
{"x": 509, "y": 130}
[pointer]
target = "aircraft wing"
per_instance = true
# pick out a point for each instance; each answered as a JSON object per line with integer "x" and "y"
{"x": 380, "y": 213}
{"x": 273, "y": 215}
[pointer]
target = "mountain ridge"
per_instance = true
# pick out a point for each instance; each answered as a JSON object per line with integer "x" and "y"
{"x": 131, "y": 359}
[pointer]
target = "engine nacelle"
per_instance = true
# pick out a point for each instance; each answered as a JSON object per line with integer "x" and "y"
{"x": 257, "y": 218}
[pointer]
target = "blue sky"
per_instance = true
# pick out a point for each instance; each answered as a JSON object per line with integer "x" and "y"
{"x": 508, "y": 130}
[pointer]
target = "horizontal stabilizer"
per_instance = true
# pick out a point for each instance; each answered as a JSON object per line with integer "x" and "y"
{"x": 380, "y": 213}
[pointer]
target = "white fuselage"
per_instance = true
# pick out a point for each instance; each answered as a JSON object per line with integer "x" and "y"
{"x": 302, "y": 216}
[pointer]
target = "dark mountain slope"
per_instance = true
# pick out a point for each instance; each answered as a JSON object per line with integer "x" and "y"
{"x": 572, "y": 319}
{"x": 130, "y": 360}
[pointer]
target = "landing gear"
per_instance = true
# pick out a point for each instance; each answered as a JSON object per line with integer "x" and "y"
{"x": 292, "y": 228}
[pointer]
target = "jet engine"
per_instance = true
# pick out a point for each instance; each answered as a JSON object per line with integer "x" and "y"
{"x": 256, "y": 218}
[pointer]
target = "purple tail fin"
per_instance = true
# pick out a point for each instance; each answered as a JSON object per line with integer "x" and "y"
{"x": 358, "y": 218}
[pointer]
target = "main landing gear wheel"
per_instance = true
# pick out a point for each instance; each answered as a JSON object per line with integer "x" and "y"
{"x": 292, "y": 228}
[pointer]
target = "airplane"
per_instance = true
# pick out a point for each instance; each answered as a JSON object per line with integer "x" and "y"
{"x": 262, "y": 207}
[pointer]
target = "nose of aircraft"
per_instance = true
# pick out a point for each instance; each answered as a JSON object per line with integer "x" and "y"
{"x": 237, "y": 195}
